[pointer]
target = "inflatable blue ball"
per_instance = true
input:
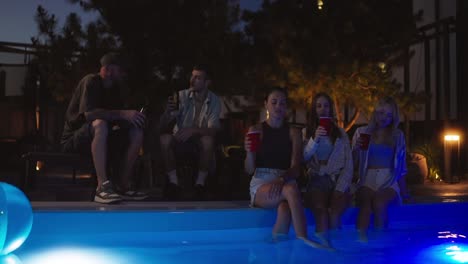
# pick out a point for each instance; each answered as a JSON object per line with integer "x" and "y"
{"x": 15, "y": 218}
{"x": 10, "y": 259}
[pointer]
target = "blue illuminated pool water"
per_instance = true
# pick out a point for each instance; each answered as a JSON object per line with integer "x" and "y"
{"x": 239, "y": 236}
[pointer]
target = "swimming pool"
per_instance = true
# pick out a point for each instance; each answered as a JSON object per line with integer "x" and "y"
{"x": 237, "y": 235}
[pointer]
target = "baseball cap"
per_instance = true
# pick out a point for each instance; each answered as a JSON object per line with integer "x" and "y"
{"x": 111, "y": 58}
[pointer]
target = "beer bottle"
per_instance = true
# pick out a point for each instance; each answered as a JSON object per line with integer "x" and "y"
{"x": 175, "y": 98}
{"x": 144, "y": 108}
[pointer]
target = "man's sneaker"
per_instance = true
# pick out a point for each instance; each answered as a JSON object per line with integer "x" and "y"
{"x": 105, "y": 194}
{"x": 131, "y": 195}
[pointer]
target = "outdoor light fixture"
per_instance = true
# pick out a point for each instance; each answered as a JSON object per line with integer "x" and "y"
{"x": 451, "y": 157}
{"x": 452, "y": 138}
{"x": 320, "y": 4}
{"x": 39, "y": 165}
{"x": 382, "y": 66}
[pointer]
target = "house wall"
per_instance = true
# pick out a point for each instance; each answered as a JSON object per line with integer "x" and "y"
{"x": 443, "y": 100}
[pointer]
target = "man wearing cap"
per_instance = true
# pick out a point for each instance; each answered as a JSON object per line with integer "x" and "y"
{"x": 96, "y": 120}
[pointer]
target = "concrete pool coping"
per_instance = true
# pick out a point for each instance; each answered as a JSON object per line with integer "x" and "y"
{"x": 195, "y": 205}
{"x": 138, "y": 206}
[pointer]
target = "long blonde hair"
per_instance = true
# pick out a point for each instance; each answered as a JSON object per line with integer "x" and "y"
{"x": 395, "y": 112}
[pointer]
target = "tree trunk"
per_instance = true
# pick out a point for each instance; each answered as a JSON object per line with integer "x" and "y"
{"x": 339, "y": 115}
{"x": 407, "y": 130}
{"x": 356, "y": 115}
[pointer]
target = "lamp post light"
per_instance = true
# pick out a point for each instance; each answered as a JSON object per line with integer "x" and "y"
{"x": 320, "y": 4}
{"x": 451, "y": 157}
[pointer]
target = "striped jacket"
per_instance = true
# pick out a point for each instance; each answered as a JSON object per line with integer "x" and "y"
{"x": 339, "y": 165}
{"x": 399, "y": 162}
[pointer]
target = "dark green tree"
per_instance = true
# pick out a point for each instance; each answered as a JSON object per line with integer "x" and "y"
{"x": 347, "y": 48}
{"x": 344, "y": 48}
{"x": 64, "y": 56}
{"x": 163, "y": 39}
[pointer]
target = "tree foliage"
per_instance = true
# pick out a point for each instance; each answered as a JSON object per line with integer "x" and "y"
{"x": 164, "y": 39}
{"x": 346, "y": 49}
{"x": 65, "y": 55}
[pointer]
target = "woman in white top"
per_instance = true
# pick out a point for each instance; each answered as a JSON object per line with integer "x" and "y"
{"x": 329, "y": 167}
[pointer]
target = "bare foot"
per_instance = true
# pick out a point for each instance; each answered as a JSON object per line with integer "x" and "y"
{"x": 323, "y": 238}
{"x": 362, "y": 236}
{"x": 278, "y": 237}
{"x": 315, "y": 244}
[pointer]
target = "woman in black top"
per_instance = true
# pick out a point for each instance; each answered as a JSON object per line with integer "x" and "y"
{"x": 275, "y": 167}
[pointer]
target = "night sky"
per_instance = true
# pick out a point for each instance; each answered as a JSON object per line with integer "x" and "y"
{"x": 17, "y": 16}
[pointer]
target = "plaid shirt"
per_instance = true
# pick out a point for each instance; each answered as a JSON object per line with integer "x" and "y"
{"x": 208, "y": 116}
{"x": 339, "y": 165}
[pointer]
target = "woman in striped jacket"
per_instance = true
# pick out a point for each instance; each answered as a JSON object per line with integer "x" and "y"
{"x": 379, "y": 152}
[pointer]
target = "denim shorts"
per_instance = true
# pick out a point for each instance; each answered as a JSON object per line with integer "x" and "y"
{"x": 323, "y": 183}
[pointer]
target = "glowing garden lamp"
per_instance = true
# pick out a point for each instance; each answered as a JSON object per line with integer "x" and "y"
{"x": 320, "y": 4}
{"x": 452, "y": 138}
{"x": 382, "y": 66}
{"x": 451, "y": 156}
{"x": 15, "y": 218}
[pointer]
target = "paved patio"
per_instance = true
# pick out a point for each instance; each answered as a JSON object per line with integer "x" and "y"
{"x": 440, "y": 190}
{"x": 61, "y": 188}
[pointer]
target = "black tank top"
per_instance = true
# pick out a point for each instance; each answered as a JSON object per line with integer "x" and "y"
{"x": 276, "y": 148}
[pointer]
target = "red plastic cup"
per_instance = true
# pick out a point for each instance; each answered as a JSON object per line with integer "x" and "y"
{"x": 365, "y": 139}
{"x": 254, "y": 138}
{"x": 325, "y": 122}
